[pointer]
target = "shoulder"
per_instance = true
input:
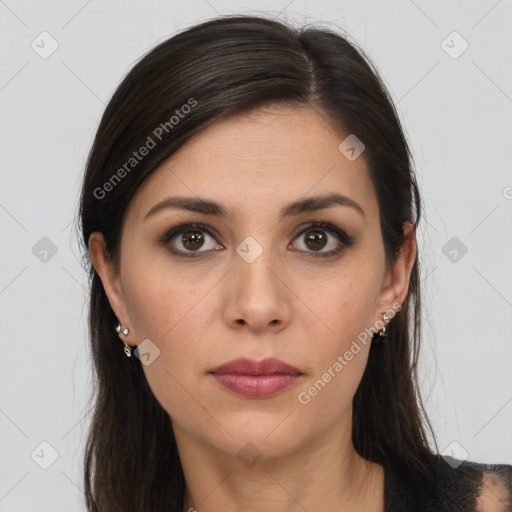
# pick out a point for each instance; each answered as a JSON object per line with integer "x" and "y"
{"x": 452, "y": 485}
{"x": 491, "y": 484}
{"x": 495, "y": 488}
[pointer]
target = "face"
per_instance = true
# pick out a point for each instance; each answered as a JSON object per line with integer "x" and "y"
{"x": 260, "y": 282}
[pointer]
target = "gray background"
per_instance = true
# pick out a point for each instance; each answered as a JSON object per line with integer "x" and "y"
{"x": 456, "y": 110}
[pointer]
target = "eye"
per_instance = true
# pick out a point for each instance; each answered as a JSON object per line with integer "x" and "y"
{"x": 191, "y": 238}
{"x": 318, "y": 235}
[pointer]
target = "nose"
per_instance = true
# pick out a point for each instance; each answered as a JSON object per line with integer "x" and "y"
{"x": 257, "y": 295}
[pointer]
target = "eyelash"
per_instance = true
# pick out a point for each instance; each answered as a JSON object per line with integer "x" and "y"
{"x": 346, "y": 240}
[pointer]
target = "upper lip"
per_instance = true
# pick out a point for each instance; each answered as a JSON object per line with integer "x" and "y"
{"x": 266, "y": 366}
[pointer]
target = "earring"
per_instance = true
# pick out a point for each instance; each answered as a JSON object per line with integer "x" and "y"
{"x": 127, "y": 348}
{"x": 382, "y": 332}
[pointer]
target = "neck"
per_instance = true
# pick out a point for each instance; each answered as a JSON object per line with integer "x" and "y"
{"x": 328, "y": 474}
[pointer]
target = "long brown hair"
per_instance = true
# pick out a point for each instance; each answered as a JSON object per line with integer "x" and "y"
{"x": 229, "y": 65}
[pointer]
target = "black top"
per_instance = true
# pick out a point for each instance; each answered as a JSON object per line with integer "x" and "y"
{"x": 456, "y": 487}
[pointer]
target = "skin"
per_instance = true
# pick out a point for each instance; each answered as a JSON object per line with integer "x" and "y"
{"x": 201, "y": 312}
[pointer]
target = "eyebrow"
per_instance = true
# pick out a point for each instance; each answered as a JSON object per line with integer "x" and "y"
{"x": 208, "y": 207}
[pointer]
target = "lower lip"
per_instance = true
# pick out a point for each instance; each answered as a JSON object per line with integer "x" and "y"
{"x": 257, "y": 386}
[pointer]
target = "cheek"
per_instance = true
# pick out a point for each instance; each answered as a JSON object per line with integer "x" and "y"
{"x": 347, "y": 305}
{"x": 174, "y": 311}
{"x": 347, "y": 311}
{"x": 160, "y": 297}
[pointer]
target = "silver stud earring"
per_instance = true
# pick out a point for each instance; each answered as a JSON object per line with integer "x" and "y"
{"x": 127, "y": 348}
{"x": 125, "y": 330}
{"x": 382, "y": 332}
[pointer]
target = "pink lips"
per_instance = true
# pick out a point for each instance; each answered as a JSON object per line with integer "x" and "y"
{"x": 258, "y": 379}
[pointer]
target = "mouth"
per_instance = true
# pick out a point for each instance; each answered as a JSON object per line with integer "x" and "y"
{"x": 256, "y": 379}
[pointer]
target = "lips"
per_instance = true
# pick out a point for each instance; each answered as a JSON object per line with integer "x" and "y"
{"x": 257, "y": 379}
{"x": 251, "y": 367}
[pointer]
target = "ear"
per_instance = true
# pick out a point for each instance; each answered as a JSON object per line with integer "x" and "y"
{"x": 110, "y": 279}
{"x": 396, "y": 282}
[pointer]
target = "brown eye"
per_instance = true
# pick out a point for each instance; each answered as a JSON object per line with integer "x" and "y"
{"x": 192, "y": 240}
{"x": 315, "y": 240}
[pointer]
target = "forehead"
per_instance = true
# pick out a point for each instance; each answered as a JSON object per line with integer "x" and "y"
{"x": 265, "y": 158}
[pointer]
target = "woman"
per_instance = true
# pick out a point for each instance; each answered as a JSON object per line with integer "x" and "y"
{"x": 249, "y": 209}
